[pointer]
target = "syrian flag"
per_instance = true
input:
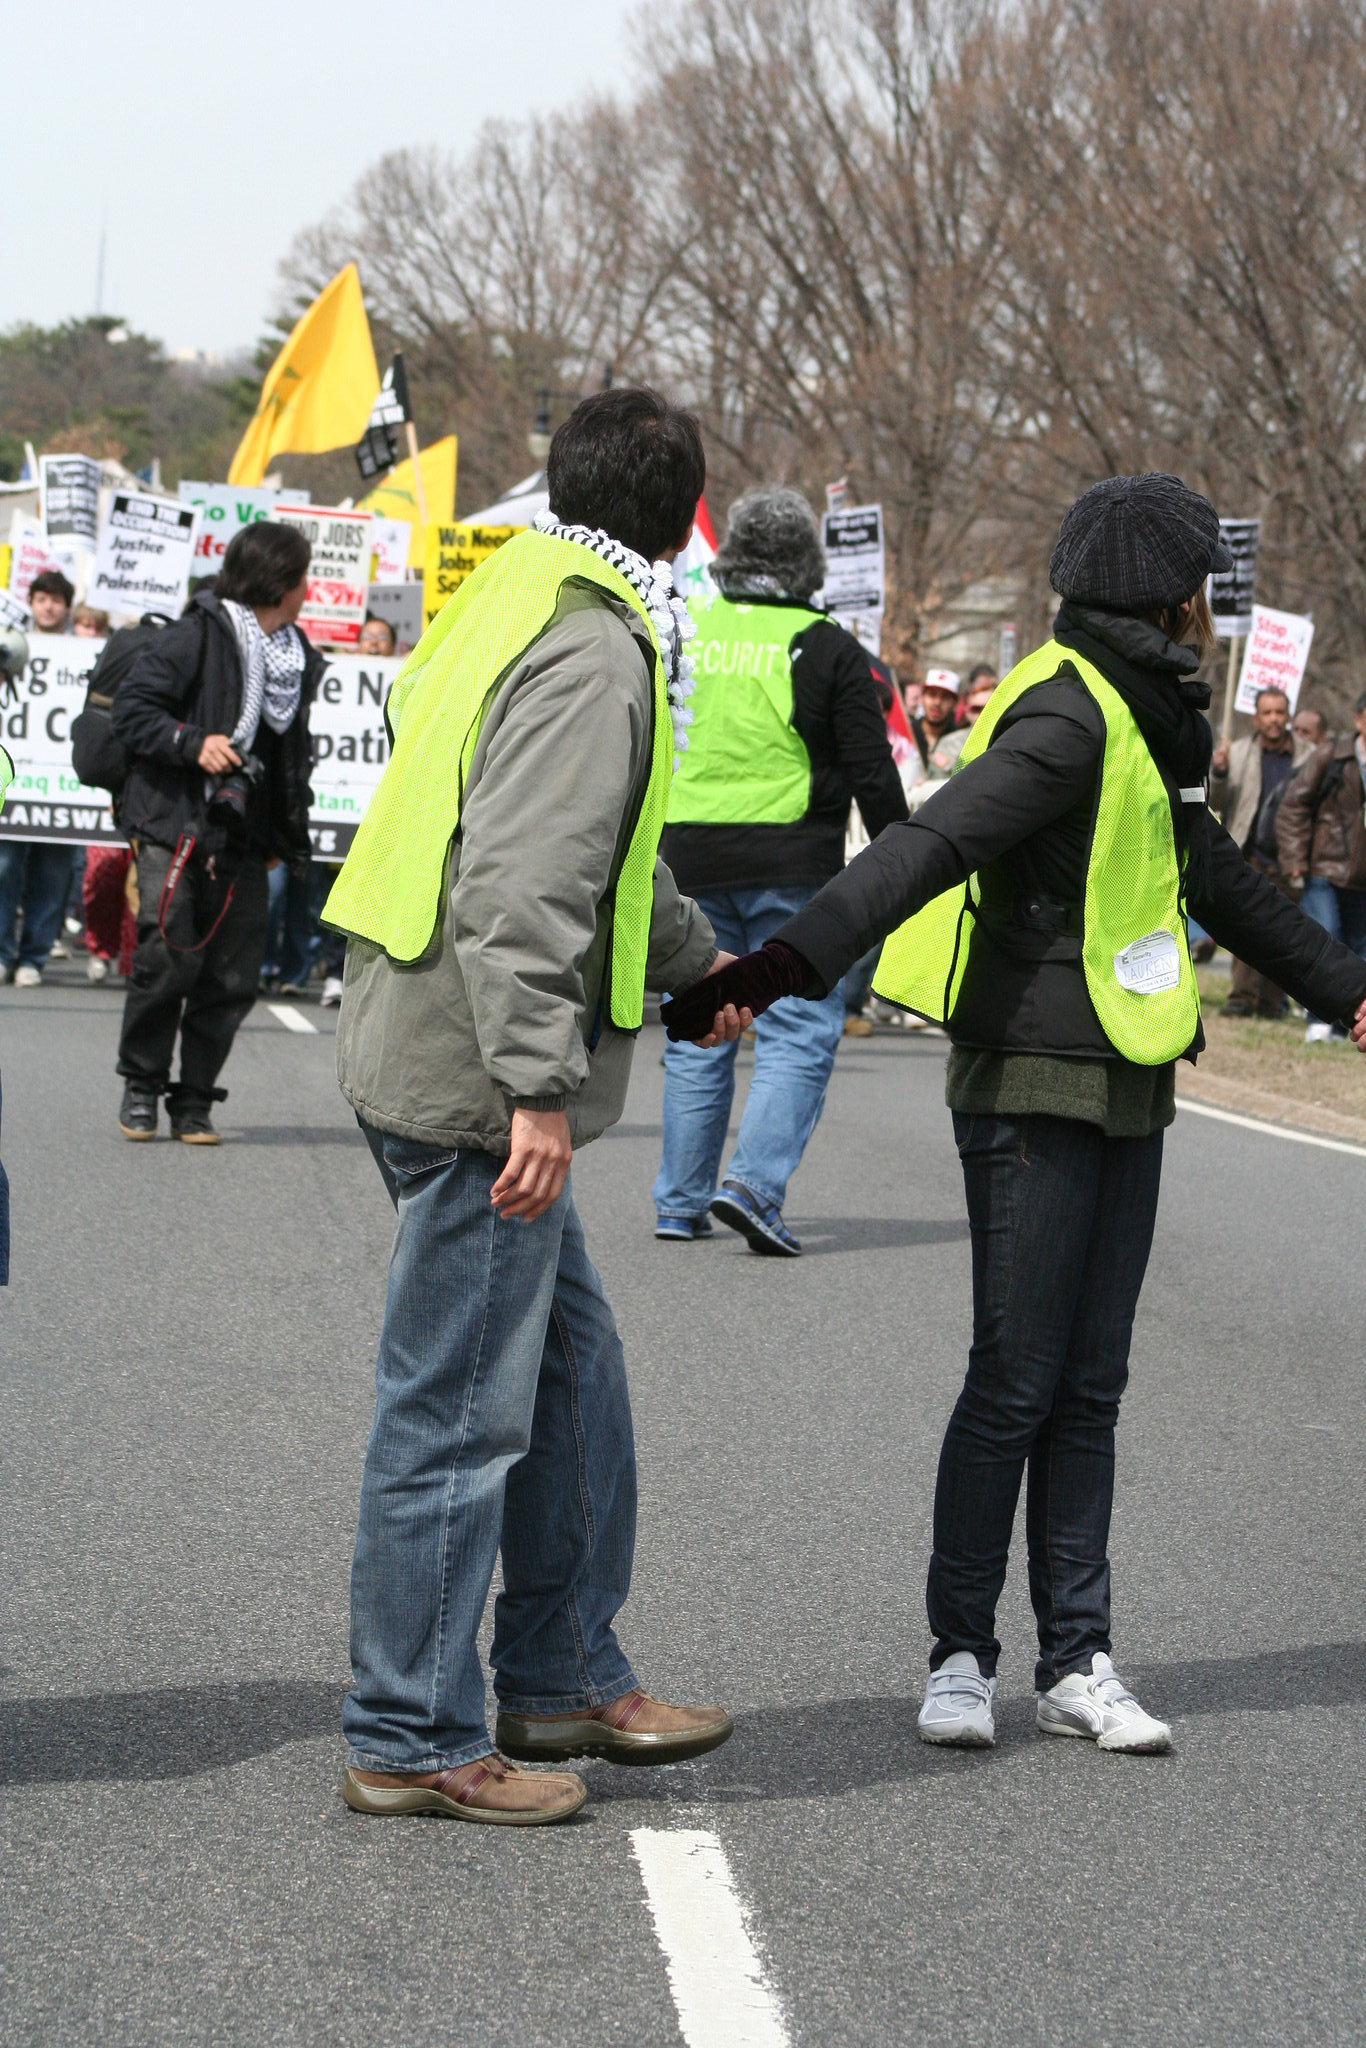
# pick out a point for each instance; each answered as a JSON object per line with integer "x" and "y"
{"x": 692, "y": 577}
{"x": 377, "y": 449}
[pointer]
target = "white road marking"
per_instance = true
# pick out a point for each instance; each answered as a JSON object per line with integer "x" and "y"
{"x": 1252, "y": 1123}
{"x": 715, "y": 1975}
{"x": 293, "y": 1020}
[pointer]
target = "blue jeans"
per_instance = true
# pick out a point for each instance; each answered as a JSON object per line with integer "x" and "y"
{"x": 37, "y": 877}
{"x": 502, "y": 1421}
{"x": 293, "y": 940}
{"x": 1062, "y": 1223}
{"x": 1340, "y": 911}
{"x": 794, "y": 1050}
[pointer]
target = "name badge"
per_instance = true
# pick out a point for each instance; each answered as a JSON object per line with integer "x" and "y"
{"x": 1149, "y": 965}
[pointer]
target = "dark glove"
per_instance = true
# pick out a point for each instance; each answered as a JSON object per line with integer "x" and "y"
{"x": 754, "y": 982}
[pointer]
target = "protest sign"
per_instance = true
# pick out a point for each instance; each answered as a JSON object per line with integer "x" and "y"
{"x": 855, "y": 591}
{"x": 70, "y": 492}
{"x": 142, "y": 563}
{"x": 453, "y": 553}
{"x": 1275, "y": 657}
{"x": 855, "y": 560}
{"x": 350, "y": 747}
{"x": 13, "y": 613}
{"x": 334, "y": 610}
{"x": 46, "y": 801}
{"x": 1231, "y": 594}
{"x": 223, "y": 510}
{"x": 391, "y": 542}
{"x": 30, "y": 554}
{"x": 400, "y": 605}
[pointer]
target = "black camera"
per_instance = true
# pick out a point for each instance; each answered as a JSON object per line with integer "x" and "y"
{"x": 228, "y": 803}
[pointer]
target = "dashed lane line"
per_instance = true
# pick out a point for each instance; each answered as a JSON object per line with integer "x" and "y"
{"x": 1252, "y": 1123}
{"x": 293, "y": 1020}
{"x": 719, "y": 1988}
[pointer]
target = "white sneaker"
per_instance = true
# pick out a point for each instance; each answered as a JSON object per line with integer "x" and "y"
{"x": 28, "y": 977}
{"x": 332, "y": 992}
{"x": 958, "y": 1703}
{"x": 1099, "y": 1707}
{"x": 96, "y": 969}
{"x": 1318, "y": 1034}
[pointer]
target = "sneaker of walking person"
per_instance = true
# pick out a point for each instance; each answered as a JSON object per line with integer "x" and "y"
{"x": 503, "y": 1414}
{"x": 332, "y": 992}
{"x": 683, "y": 1229}
{"x": 759, "y": 1222}
{"x": 959, "y": 1703}
{"x": 787, "y": 728}
{"x": 1097, "y": 1706}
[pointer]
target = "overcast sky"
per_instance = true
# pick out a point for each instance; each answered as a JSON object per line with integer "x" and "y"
{"x": 205, "y": 135}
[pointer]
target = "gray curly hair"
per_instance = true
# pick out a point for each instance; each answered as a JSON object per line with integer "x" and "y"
{"x": 772, "y": 546}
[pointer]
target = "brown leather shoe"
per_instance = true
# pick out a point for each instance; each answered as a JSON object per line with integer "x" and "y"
{"x": 488, "y": 1790}
{"x": 631, "y": 1730}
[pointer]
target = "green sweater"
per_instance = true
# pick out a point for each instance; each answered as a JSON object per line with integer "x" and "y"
{"x": 1127, "y": 1101}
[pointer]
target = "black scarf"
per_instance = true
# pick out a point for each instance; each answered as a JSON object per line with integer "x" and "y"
{"x": 1156, "y": 679}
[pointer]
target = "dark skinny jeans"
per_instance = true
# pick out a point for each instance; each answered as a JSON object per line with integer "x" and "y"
{"x": 1062, "y": 1223}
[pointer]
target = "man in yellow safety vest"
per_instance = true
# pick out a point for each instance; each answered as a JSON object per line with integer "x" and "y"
{"x": 505, "y": 911}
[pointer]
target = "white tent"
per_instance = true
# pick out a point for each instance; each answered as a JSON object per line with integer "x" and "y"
{"x": 517, "y": 508}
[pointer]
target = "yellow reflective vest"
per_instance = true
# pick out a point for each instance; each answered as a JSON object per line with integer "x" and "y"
{"x": 1134, "y": 950}
{"x": 746, "y": 763}
{"x": 390, "y": 890}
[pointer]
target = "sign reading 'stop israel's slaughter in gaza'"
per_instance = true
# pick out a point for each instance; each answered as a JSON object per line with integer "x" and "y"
{"x": 143, "y": 560}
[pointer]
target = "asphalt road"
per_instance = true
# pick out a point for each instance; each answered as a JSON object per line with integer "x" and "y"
{"x": 188, "y": 1345}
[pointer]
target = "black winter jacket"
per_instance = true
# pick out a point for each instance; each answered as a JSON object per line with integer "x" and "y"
{"x": 186, "y": 684}
{"x": 835, "y": 710}
{"x": 1021, "y": 816}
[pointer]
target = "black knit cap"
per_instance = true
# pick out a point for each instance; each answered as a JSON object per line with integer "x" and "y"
{"x": 1137, "y": 544}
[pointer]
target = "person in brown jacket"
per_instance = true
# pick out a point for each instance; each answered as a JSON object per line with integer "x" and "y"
{"x": 1245, "y": 781}
{"x": 1321, "y": 835}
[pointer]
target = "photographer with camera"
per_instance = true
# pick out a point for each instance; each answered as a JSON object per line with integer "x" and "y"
{"x": 214, "y": 715}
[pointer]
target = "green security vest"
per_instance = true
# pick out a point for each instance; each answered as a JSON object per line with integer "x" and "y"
{"x": 390, "y": 890}
{"x": 1134, "y": 952}
{"x": 745, "y": 764}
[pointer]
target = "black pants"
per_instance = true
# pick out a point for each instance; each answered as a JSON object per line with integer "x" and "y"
{"x": 205, "y": 994}
{"x": 1062, "y": 1223}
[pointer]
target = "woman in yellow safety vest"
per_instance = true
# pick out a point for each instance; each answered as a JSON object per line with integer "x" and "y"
{"x": 1036, "y": 907}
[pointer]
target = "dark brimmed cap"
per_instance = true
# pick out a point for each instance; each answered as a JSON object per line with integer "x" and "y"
{"x": 1137, "y": 544}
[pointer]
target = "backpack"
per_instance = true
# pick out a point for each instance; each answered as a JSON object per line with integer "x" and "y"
{"x": 1262, "y": 840}
{"x": 100, "y": 760}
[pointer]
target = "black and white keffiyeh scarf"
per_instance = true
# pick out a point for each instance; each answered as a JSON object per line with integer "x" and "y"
{"x": 272, "y": 674}
{"x": 653, "y": 584}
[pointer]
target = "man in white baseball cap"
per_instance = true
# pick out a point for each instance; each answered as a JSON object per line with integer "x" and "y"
{"x": 938, "y": 738}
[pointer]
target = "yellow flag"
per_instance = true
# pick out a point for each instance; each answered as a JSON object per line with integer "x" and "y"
{"x": 396, "y": 497}
{"x": 320, "y": 388}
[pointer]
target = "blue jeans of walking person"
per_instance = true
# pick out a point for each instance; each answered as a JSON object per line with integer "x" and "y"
{"x": 1341, "y": 912}
{"x": 35, "y": 878}
{"x": 1062, "y": 1223}
{"x": 794, "y": 1049}
{"x": 502, "y": 1422}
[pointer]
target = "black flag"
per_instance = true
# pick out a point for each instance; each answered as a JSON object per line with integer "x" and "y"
{"x": 377, "y": 449}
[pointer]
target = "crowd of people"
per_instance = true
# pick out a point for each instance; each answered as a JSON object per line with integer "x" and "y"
{"x": 650, "y": 797}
